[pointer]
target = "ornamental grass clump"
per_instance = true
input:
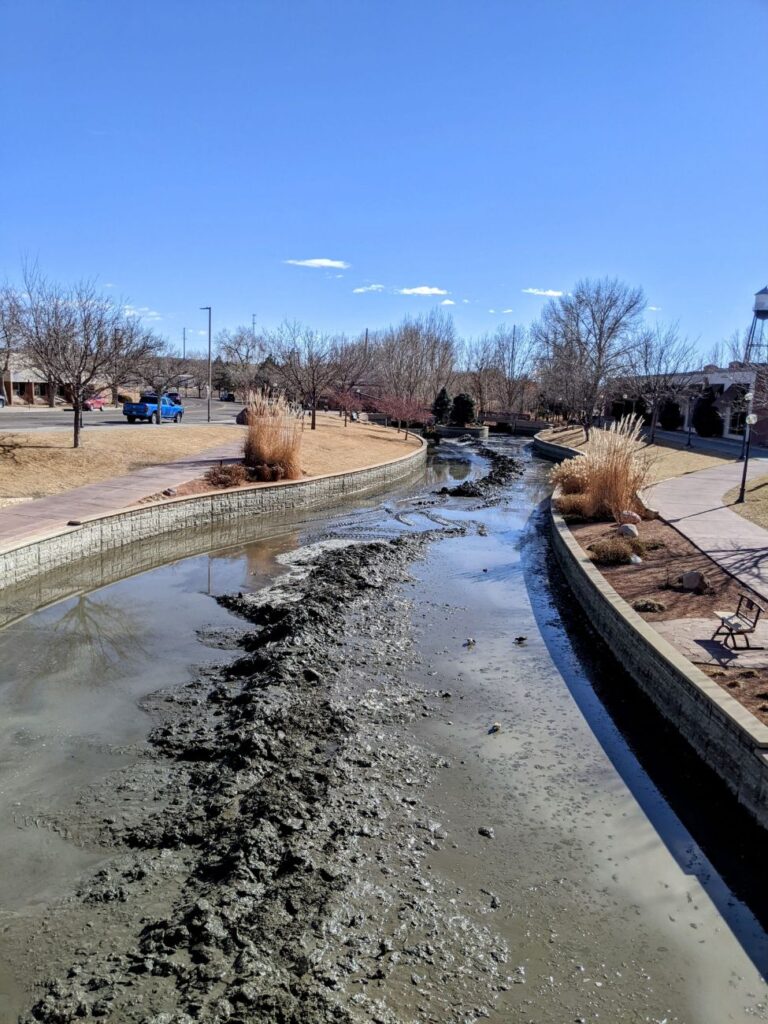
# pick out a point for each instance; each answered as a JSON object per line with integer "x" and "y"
{"x": 609, "y": 474}
{"x": 272, "y": 447}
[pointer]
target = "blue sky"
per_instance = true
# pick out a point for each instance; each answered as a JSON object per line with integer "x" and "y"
{"x": 183, "y": 152}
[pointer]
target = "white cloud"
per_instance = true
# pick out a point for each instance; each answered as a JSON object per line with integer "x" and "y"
{"x": 142, "y": 311}
{"x": 491, "y": 310}
{"x": 507, "y": 311}
{"x": 655, "y": 309}
{"x": 368, "y": 288}
{"x": 109, "y": 284}
{"x": 422, "y": 289}
{"x": 465, "y": 301}
{"x": 447, "y": 302}
{"x": 321, "y": 263}
{"x": 548, "y": 293}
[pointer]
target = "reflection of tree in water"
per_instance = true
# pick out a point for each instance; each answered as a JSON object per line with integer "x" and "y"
{"x": 91, "y": 637}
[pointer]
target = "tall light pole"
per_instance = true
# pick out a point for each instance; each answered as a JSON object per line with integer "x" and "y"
{"x": 751, "y": 420}
{"x": 748, "y": 399}
{"x": 184, "y": 343}
{"x": 210, "y": 372}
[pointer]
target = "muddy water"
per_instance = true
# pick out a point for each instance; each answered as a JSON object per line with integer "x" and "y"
{"x": 611, "y": 908}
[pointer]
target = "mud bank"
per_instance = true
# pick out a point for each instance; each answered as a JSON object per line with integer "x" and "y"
{"x": 504, "y": 469}
{"x": 288, "y": 830}
{"x": 328, "y": 828}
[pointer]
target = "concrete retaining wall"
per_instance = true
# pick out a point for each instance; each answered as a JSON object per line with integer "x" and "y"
{"x": 478, "y": 432}
{"x": 727, "y": 737}
{"x": 551, "y": 450}
{"x": 105, "y": 533}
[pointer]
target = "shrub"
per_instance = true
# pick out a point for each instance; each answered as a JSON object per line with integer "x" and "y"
{"x": 574, "y": 506}
{"x": 231, "y": 475}
{"x": 648, "y": 604}
{"x": 572, "y": 476}
{"x": 611, "y": 551}
{"x": 274, "y": 437}
{"x": 611, "y": 470}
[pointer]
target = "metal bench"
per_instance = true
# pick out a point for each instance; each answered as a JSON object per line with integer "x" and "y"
{"x": 742, "y": 622}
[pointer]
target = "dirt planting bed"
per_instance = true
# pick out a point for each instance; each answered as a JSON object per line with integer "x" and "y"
{"x": 667, "y": 555}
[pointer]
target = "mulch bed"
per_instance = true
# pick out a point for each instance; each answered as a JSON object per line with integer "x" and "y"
{"x": 657, "y": 578}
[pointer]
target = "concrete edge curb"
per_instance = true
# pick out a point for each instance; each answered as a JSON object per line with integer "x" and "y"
{"x": 40, "y": 553}
{"x": 730, "y": 739}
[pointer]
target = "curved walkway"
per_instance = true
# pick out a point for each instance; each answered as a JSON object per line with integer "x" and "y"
{"x": 41, "y": 516}
{"x": 693, "y": 504}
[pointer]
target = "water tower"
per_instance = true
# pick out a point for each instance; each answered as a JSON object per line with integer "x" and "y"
{"x": 756, "y": 348}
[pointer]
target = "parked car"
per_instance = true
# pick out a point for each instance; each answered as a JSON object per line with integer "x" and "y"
{"x": 146, "y": 409}
{"x": 95, "y": 402}
{"x": 174, "y": 397}
{"x": 2, "y": 401}
{"x": 227, "y": 396}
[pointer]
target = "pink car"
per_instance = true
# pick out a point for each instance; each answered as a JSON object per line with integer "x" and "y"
{"x": 94, "y": 402}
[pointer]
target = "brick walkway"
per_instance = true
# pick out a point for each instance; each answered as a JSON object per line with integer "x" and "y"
{"x": 42, "y": 516}
{"x": 693, "y": 504}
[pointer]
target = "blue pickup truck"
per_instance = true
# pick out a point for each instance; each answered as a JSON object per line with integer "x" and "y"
{"x": 146, "y": 409}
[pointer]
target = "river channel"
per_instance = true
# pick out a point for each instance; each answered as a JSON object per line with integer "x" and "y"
{"x": 568, "y": 829}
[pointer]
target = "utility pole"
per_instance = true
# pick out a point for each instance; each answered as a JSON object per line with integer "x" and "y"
{"x": 210, "y": 374}
{"x": 253, "y": 324}
{"x": 184, "y": 343}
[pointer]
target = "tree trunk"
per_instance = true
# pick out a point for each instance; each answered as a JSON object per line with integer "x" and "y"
{"x": 51, "y": 394}
{"x": 115, "y": 395}
{"x": 654, "y": 421}
{"x": 313, "y": 425}
{"x": 76, "y": 410}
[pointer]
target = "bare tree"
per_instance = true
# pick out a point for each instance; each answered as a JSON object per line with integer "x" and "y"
{"x": 417, "y": 358}
{"x": 133, "y": 344}
{"x": 69, "y": 336}
{"x": 305, "y": 363}
{"x": 243, "y": 351}
{"x": 514, "y": 356}
{"x": 584, "y": 338}
{"x": 10, "y": 332}
{"x": 481, "y": 371}
{"x": 661, "y": 369}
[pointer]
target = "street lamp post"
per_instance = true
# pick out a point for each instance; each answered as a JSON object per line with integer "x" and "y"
{"x": 688, "y": 443}
{"x": 751, "y": 420}
{"x": 748, "y": 399}
{"x": 210, "y": 372}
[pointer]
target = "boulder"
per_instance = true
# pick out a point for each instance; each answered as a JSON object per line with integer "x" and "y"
{"x": 628, "y": 530}
{"x": 693, "y": 580}
{"x": 630, "y": 517}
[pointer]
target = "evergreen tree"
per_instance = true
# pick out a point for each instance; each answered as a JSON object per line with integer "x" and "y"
{"x": 463, "y": 410}
{"x": 441, "y": 407}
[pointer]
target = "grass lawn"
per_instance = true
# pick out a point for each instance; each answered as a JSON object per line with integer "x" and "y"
{"x": 665, "y": 462}
{"x": 755, "y": 507}
{"x": 36, "y": 464}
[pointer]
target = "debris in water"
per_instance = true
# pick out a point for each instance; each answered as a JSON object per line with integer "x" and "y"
{"x": 520, "y": 639}
{"x": 487, "y": 831}
{"x": 470, "y": 642}
{"x": 496, "y": 727}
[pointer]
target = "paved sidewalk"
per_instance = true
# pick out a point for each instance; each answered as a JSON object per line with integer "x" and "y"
{"x": 694, "y": 505}
{"x": 45, "y": 515}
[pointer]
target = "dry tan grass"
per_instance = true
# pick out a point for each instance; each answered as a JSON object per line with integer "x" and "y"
{"x": 664, "y": 462}
{"x": 274, "y": 437}
{"x": 37, "y": 464}
{"x": 610, "y": 473}
{"x": 755, "y": 506}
